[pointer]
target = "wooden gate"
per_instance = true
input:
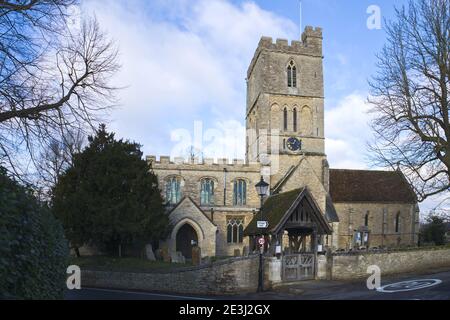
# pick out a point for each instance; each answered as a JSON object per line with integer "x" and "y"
{"x": 298, "y": 267}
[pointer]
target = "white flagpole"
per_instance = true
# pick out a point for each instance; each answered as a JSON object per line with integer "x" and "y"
{"x": 301, "y": 13}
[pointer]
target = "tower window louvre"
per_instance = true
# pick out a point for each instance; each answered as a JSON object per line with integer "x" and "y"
{"x": 289, "y": 74}
{"x": 285, "y": 119}
{"x": 292, "y": 75}
{"x": 295, "y": 120}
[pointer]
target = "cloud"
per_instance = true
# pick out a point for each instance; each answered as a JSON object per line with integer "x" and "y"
{"x": 183, "y": 61}
{"x": 347, "y": 132}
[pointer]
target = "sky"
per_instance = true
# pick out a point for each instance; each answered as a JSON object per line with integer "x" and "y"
{"x": 184, "y": 65}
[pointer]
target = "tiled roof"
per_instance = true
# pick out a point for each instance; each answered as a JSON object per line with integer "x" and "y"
{"x": 280, "y": 206}
{"x": 370, "y": 186}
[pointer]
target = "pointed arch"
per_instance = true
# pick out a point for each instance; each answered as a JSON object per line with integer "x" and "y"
{"x": 275, "y": 120}
{"x": 294, "y": 119}
{"x": 397, "y": 222}
{"x": 173, "y": 192}
{"x": 306, "y": 124}
{"x": 291, "y": 74}
{"x": 285, "y": 119}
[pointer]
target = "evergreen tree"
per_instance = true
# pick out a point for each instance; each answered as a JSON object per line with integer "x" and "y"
{"x": 110, "y": 197}
{"x": 434, "y": 230}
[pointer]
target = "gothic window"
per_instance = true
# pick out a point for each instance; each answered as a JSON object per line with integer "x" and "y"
{"x": 397, "y": 222}
{"x": 285, "y": 119}
{"x": 366, "y": 219}
{"x": 240, "y": 193}
{"x": 292, "y": 75}
{"x": 173, "y": 190}
{"x": 295, "y": 119}
{"x": 235, "y": 230}
{"x": 207, "y": 192}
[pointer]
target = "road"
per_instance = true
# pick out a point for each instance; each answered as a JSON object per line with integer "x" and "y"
{"x": 308, "y": 290}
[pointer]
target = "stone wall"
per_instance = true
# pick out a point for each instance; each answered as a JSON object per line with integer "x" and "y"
{"x": 237, "y": 275}
{"x": 354, "y": 266}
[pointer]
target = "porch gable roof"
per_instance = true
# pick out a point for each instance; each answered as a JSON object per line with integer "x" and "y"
{"x": 278, "y": 208}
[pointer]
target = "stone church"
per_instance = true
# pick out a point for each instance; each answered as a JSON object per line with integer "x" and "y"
{"x": 214, "y": 204}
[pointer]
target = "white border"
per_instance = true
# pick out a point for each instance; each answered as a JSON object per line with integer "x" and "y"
{"x": 435, "y": 282}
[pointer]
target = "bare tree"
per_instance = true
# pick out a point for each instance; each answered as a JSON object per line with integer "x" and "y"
{"x": 54, "y": 78}
{"x": 410, "y": 97}
{"x": 193, "y": 153}
{"x": 56, "y": 158}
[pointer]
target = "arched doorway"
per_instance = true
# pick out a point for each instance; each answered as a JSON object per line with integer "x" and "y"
{"x": 186, "y": 236}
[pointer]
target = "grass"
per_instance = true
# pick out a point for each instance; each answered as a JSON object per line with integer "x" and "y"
{"x": 104, "y": 263}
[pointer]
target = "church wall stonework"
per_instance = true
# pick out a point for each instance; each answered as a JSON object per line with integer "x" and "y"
{"x": 192, "y": 173}
{"x": 382, "y": 217}
{"x": 215, "y": 243}
{"x": 188, "y": 213}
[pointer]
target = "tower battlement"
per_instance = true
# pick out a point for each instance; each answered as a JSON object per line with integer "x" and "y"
{"x": 310, "y": 45}
{"x": 180, "y": 161}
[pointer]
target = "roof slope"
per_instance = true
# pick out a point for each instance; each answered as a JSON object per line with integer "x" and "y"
{"x": 370, "y": 186}
{"x": 279, "y": 207}
{"x": 274, "y": 209}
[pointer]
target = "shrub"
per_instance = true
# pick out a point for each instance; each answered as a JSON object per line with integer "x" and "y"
{"x": 33, "y": 249}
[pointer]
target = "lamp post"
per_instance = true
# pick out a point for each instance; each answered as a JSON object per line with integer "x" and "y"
{"x": 261, "y": 189}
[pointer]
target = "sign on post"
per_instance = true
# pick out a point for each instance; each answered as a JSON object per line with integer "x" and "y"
{"x": 261, "y": 241}
{"x": 262, "y": 224}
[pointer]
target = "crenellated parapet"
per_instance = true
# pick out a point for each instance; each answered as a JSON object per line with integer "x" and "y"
{"x": 167, "y": 162}
{"x": 310, "y": 44}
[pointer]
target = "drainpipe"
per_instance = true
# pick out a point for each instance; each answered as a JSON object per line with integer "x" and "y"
{"x": 224, "y": 186}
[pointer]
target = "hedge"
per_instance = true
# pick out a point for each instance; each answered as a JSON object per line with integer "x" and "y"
{"x": 33, "y": 249}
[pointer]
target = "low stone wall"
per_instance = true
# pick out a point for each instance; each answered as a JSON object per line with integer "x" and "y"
{"x": 353, "y": 266}
{"x": 235, "y": 275}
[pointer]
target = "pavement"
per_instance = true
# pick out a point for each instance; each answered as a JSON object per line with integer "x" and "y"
{"x": 428, "y": 285}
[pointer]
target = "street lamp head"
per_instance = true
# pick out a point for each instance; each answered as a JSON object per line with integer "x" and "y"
{"x": 262, "y": 187}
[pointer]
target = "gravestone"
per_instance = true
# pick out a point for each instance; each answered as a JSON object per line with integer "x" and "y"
{"x": 196, "y": 256}
{"x": 178, "y": 257}
{"x": 149, "y": 253}
{"x": 165, "y": 254}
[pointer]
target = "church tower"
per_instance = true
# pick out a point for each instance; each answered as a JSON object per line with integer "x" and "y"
{"x": 285, "y": 109}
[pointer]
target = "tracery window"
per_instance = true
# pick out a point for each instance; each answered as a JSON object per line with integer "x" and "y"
{"x": 173, "y": 190}
{"x": 240, "y": 193}
{"x": 207, "y": 192}
{"x": 235, "y": 229}
{"x": 292, "y": 75}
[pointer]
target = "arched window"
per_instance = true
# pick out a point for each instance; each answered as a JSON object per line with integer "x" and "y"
{"x": 295, "y": 119}
{"x": 397, "y": 222}
{"x": 235, "y": 230}
{"x": 207, "y": 192}
{"x": 292, "y": 75}
{"x": 285, "y": 119}
{"x": 173, "y": 190}
{"x": 366, "y": 219}
{"x": 240, "y": 193}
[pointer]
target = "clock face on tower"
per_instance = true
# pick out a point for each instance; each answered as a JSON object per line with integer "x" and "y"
{"x": 294, "y": 144}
